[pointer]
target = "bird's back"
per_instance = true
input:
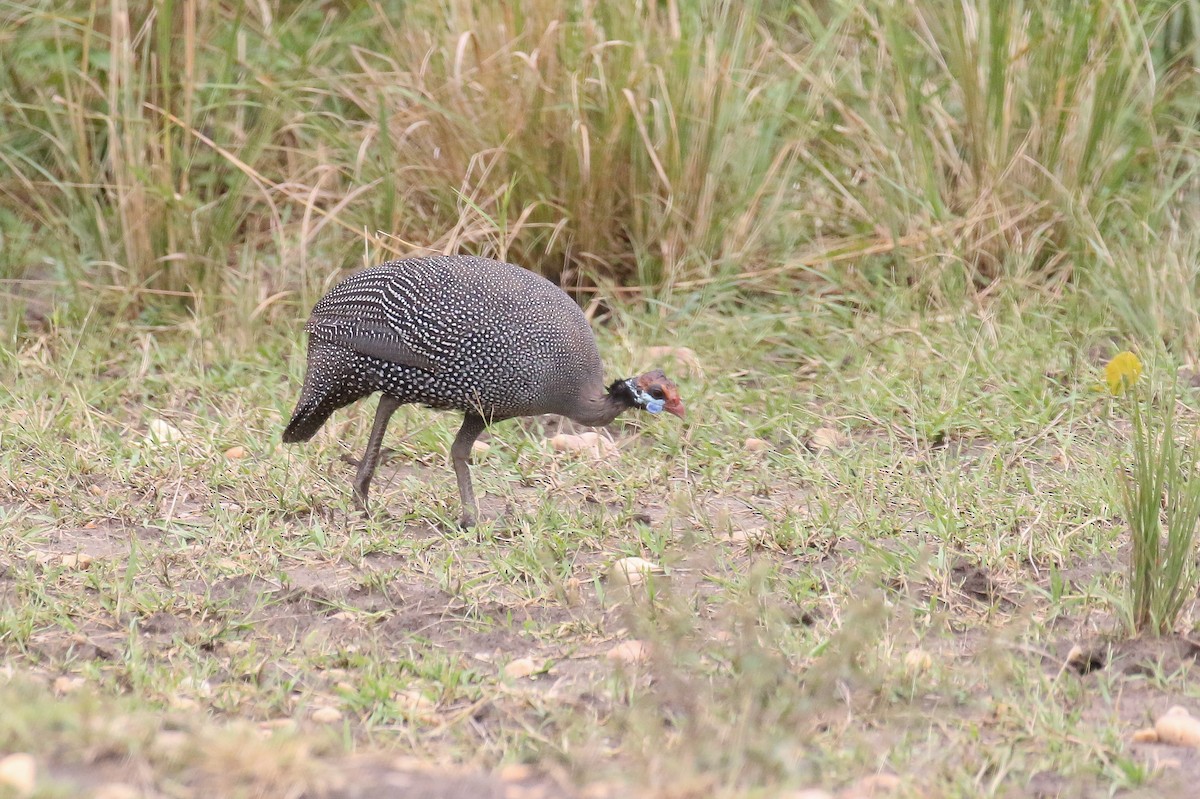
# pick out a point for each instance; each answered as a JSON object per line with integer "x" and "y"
{"x": 450, "y": 332}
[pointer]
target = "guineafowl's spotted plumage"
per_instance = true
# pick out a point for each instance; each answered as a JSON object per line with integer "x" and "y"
{"x": 453, "y": 333}
{"x": 487, "y": 338}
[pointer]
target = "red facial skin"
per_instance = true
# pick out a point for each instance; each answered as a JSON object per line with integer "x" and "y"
{"x": 656, "y": 379}
{"x": 676, "y": 407}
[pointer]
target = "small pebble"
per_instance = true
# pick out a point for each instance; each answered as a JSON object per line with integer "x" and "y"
{"x": 827, "y": 438}
{"x": 198, "y": 687}
{"x": 917, "y": 661}
{"x": 515, "y": 772}
{"x": 163, "y": 433}
{"x": 415, "y": 701}
{"x": 116, "y": 790}
{"x": 68, "y": 684}
{"x": 629, "y": 652}
{"x": 522, "y": 667}
{"x": 18, "y": 771}
{"x": 1179, "y": 728}
{"x": 592, "y": 443}
{"x": 872, "y": 786}
{"x": 633, "y": 571}
{"x": 78, "y": 561}
{"x": 326, "y": 715}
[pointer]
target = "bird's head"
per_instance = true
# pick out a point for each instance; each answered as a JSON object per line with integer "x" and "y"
{"x": 653, "y": 392}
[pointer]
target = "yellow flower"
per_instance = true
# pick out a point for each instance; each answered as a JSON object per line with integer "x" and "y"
{"x": 1122, "y": 372}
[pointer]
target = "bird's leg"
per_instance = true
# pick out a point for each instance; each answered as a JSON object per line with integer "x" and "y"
{"x": 370, "y": 458}
{"x": 460, "y": 455}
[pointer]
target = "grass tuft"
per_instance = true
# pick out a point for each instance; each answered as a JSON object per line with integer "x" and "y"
{"x": 1162, "y": 503}
{"x": 234, "y": 159}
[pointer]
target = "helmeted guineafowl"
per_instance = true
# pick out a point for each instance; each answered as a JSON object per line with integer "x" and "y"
{"x": 490, "y": 339}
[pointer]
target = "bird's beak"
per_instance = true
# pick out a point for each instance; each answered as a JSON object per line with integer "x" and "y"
{"x": 676, "y": 407}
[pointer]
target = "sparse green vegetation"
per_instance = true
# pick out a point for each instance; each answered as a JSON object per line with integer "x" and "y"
{"x": 902, "y": 240}
{"x": 1162, "y": 500}
{"x": 923, "y": 574}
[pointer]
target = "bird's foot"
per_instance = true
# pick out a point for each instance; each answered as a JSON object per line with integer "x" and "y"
{"x": 379, "y": 513}
{"x": 360, "y": 502}
{"x": 489, "y": 524}
{"x": 385, "y": 455}
{"x": 359, "y": 492}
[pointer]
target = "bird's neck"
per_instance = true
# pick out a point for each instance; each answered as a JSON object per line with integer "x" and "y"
{"x": 599, "y": 405}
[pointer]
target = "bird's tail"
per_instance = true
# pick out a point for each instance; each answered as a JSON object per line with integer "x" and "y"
{"x": 328, "y": 385}
{"x": 307, "y": 420}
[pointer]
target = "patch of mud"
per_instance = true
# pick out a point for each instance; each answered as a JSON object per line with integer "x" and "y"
{"x": 163, "y": 628}
{"x": 974, "y": 581}
{"x": 1142, "y": 656}
{"x": 91, "y": 642}
{"x": 1135, "y": 664}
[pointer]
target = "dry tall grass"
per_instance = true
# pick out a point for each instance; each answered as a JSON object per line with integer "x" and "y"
{"x": 247, "y": 150}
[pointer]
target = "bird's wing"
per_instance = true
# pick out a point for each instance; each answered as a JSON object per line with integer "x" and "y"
{"x": 369, "y": 337}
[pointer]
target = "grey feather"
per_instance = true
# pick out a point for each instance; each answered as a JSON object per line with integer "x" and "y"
{"x": 369, "y": 338}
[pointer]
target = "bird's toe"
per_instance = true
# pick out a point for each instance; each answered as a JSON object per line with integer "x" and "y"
{"x": 385, "y": 455}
